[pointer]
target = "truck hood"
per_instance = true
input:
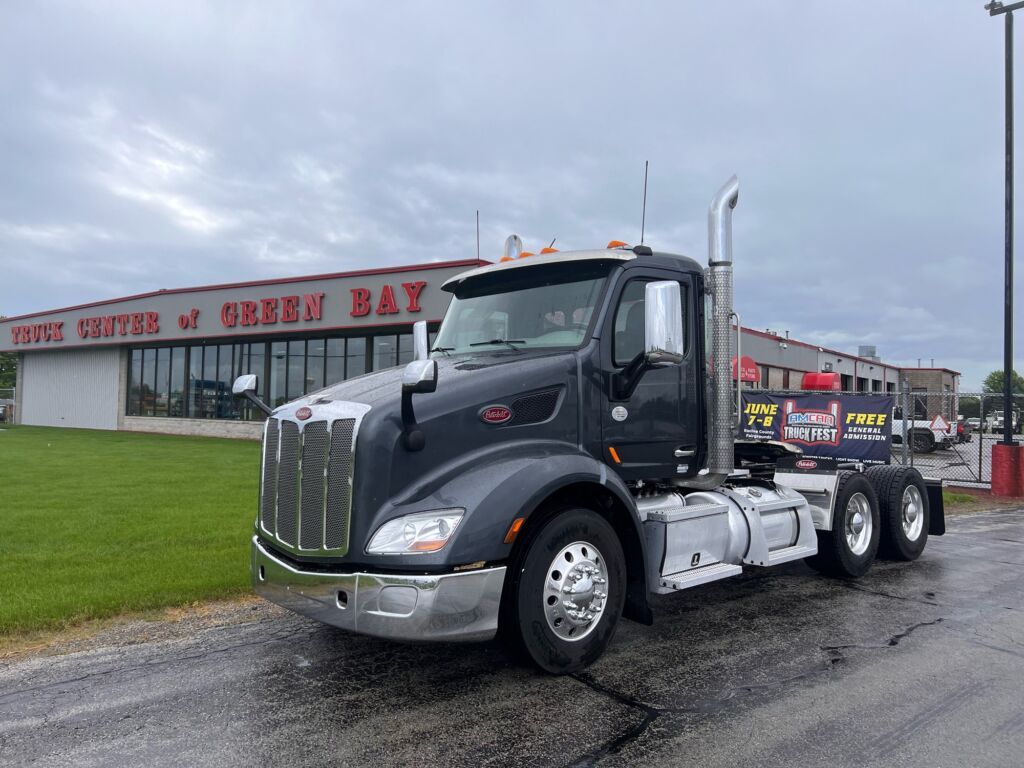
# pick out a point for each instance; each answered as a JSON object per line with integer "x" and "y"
{"x": 496, "y": 374}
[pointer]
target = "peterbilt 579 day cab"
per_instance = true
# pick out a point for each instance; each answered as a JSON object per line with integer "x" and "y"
{"x": 566, "y": 449}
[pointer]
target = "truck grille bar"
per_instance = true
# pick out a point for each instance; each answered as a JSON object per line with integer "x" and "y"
{"x": 306, "y": 484}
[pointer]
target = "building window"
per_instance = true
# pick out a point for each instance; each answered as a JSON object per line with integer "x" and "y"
{"x": 355, "y": 357}
{"x": 195, "y": 381}
{"x": 385, "y": 352}
{"x": 176, "y": 400}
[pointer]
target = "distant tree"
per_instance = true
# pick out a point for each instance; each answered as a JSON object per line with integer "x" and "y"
{"x": 8, "y": 369}
{"x": 994, "y": 383}
{"x": 970, "y": 406}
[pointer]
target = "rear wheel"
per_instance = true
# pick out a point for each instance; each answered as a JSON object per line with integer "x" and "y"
{"x": 849, "y": 549}
{"x": 568, "y": 592}
{"x": 922, "y": 441}
{"x": 903, "y": 507}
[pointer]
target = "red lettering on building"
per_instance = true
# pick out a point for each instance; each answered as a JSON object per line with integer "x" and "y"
{"x": 228, "y": 315}
{"x": 105, "y": 326}
{"x": 289, "y": 309}
{"x": 387, "y": 305}
{"x": 313, "y": 303}
{"x": 413, "y": 291}
{"x": 360, "y": 302}
{"x": 268, "y": 315}
{"x": 248, "y": 309}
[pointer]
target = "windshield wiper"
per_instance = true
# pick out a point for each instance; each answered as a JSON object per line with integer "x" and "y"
{"x": 508, "y": 342}
{"x": 446, "y": 350}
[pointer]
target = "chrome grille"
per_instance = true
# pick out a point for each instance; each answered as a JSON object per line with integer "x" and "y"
{"x": 288, "y": 482}
{"x": 306, "y": 493}
{"x": 268, "y": 492}
{"x": 339, "y": 484}
{"x": 314, "y": 461}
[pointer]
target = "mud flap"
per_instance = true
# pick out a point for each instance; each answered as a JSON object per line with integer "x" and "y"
{"x": 936, "y": 507}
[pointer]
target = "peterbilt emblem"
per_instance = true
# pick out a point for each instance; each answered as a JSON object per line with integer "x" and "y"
{"x": 495, "y": 414}
{"x": 303, "y": 413}
{"x": 754, "y": 492}
{"x": 806, "y": 464}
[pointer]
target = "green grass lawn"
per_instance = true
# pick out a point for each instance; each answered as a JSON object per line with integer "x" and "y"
{"x": 99, "y": 523}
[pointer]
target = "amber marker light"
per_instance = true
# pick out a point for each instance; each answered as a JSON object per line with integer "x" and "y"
{"x": 548, "y": 250}
{"x": 513, "y": 530}
{"x": 615, "y": 454}
{"x": 617, "y": 244}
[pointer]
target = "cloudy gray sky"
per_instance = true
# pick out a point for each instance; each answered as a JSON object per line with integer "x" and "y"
{"x": 158, "y": 145}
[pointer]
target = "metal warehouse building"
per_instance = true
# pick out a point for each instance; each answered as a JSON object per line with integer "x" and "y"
{"x": 165, "y": 361}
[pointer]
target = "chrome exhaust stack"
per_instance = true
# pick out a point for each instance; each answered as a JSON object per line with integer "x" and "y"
{"x": 721, "y": 424}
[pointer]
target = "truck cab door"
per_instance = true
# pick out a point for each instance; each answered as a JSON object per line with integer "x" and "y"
{"x": 655, "y": 431}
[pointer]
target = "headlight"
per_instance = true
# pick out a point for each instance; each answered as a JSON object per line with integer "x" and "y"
{"x": 415, "y": 534}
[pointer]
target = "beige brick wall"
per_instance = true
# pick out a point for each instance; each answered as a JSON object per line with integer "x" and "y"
{"x": 246, "y": 430}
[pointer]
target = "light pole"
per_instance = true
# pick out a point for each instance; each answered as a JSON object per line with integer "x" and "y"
{"x": 996, "y": 9}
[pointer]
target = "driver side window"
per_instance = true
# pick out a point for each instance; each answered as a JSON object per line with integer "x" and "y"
{"x": 628, "y": 334}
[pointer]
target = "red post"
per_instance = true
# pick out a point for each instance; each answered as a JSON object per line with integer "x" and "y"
{"x": 1007, "y": 470}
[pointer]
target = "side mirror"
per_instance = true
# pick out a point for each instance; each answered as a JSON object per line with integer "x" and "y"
{"x": 247, "y": 382}
{"x": 664, "y": 343}
{"x": 420, "y": 376}
{"x": 420, "y": 345}
{"x": 245, "y": 386}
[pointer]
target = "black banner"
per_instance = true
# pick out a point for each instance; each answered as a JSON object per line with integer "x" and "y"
{"x": 826, "y": 425}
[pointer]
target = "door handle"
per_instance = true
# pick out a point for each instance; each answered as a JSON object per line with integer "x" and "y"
{"x": 685, "y": 453}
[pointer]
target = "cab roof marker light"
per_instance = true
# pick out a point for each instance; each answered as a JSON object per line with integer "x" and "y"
{"x": 616, "y": 244}
{"x": 513, "y": 247}
{"x": 548, "y": 250}
{"x": 524, "y": 254}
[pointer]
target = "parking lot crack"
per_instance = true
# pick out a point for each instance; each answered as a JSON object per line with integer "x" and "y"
{"x": 892, "y": 641}
{"x": 862, "y": 588}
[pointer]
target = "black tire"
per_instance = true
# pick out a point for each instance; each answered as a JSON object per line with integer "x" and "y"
{"x": 922, "y": 441}
{"x": 903, "y": 507}
{"x": 835, "y": 555}
{"x": 527, "y": 628}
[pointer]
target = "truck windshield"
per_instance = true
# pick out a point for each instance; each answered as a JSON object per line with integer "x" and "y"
{"x": 543, "y": 307}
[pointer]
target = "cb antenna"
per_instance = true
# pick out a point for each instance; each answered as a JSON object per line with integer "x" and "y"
{"x": 478, "y": 234}
{"x": 643, "y": 215}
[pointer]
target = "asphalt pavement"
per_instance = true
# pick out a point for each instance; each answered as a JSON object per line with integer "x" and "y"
{"x": 918, "y": 664}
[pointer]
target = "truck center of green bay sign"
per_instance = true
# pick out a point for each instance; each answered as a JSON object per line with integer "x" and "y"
{"x": 164, "y": 361}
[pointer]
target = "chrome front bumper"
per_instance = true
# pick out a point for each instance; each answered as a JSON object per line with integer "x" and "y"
{"x": 451, "y": 606}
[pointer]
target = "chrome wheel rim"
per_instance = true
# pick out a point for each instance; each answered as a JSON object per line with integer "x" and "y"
{"x": 858, "y": 523}
{"x": 912, "y": 513}
{"x": 575, "y": 591}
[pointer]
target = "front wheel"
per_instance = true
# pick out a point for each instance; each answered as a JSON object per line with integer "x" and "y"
{"x": 568, "y": 593}
{"x": 849, "y": 549}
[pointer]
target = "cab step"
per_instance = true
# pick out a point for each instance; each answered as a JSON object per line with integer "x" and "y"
{"x": 701, "y": 575}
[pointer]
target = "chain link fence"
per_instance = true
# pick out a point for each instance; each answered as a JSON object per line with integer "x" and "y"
{"x": 950, "y": 434}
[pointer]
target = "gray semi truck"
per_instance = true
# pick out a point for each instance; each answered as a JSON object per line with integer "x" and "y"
{"x": 566, "y": 448}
